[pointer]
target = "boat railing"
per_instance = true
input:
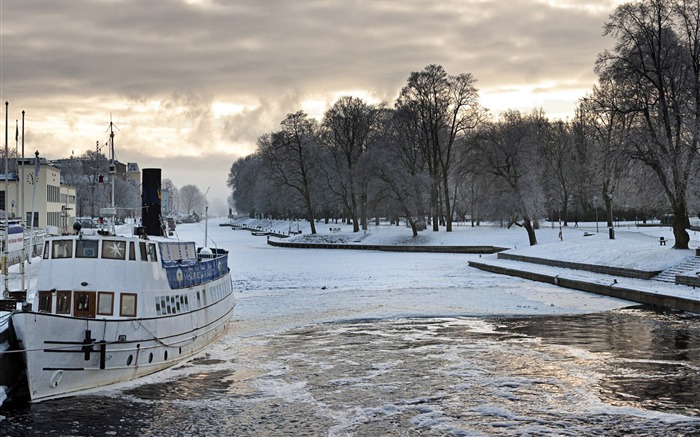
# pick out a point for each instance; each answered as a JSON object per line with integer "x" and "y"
{"x": 189, "y": 272}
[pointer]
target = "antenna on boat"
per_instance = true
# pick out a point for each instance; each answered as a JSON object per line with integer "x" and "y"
{"x": 112, "y": 164}
{"x": 206, "y": 217}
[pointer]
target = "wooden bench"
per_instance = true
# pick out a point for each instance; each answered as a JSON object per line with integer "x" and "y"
{"x": 335, "y": 229}
{"x": 662, "y": 241}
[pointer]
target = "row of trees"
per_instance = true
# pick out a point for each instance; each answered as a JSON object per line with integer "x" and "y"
{"x": 437, "y": 156}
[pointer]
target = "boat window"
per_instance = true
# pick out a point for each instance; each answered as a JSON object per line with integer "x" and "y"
{"x": 105, "y": 303}
{"x": 46, "y": 250}
{"x": 152, "y": 252}
{"x": 142, "y": 246}
{"x": 127, "y": 307}
{"x": 86, "y": 249}
{"x": 132, "y": 251}
{"x": 62, "y": 249}
{"x": 45, "y": 301}
{"x": 113, "y": 249}
{"x": 84, "y": 304}
{"x": 63, "y": 302}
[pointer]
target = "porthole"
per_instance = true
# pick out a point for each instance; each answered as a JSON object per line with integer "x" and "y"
{"x": 150, "y": 357}
{"x": 165, "y": 356}
{"x": 129, "y": 360}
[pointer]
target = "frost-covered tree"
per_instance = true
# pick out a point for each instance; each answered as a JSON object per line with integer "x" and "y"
{"x": 291, "y": 156}
{"x": 508, "y": 150}
{"x": 445, "y": 108}
{"x": 348, "y": 131}
{"x": 192, "y": 199}
{"x": 655, "y": 65}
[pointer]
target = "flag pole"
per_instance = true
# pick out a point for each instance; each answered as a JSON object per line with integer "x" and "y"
{"x": 37, "y": 169}
{"x": 6, "y": 293}
{"x": 16, "y": 168}
{"x": 21, "y": 217}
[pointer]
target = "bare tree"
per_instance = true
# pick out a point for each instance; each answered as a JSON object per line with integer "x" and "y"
{"x": 399, "y": 164}
{"x": 291, "y": 155}
{"x": 655, "y": 66}
{"x": 445, "y": 107}
{"x": 508, "y": 150}
{"x": 192, "y": 199}
{"x": 348, "y": 128}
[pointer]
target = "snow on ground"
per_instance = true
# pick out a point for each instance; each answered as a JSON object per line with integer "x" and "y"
{"x": 633, "y": 247}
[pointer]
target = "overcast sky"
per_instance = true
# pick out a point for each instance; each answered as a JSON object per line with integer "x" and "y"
{"x": 191, "y": 84}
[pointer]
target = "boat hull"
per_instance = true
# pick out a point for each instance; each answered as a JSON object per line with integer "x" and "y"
{"x": 66, "y": 355}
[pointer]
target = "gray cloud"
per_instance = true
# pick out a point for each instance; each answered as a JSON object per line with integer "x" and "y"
{"x": 158, "y": 65}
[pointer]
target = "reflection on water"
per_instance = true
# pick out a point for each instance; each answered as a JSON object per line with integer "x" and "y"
{"x": 651, "y": 362}
{"x": 628, "y": 372}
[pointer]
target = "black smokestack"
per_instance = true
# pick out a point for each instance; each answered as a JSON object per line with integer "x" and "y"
{"x": 150, "y": 201}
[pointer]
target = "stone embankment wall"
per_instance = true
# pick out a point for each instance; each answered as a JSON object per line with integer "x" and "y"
{"x": 612, "y": 290}
{"x": 606, "y": 270}
{"x": 390, "y": 248}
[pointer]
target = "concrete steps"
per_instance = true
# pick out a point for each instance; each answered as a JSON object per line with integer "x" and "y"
{"x": 692, "y": 264}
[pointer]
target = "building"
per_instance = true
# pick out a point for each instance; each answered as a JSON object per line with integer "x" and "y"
{"x": 54, "y": 203}
{"x": 133, "y": 174}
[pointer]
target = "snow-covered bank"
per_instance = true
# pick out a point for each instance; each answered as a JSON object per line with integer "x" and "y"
{"x": 633, "y": 247}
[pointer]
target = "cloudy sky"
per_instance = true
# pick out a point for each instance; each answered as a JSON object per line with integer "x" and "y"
{"x": 191, "y": 84}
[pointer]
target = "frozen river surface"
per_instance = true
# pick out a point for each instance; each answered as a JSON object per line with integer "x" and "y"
{"x": 330, "y": 342}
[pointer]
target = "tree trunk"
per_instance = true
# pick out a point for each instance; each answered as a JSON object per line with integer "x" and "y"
{"x": 609, "y": 211}
{"x": 680, "y": 224}
{"x": 353, "y": 212}
{"x": 530, "y": 231}
{"x": 435, "y": 205}
{"x": 448, "y": 210}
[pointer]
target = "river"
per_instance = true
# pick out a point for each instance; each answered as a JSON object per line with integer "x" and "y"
{"x": 370, "y": 344}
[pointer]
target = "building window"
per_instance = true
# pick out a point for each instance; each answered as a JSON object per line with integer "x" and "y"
{"x": 45, "y": 301}
{"x": 63, "y": 302}
{"x": 105, "y": 303}
{"x": 127, "y": 307}
{"x": 35, "y": 222}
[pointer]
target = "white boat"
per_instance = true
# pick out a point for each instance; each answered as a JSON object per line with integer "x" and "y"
{"x": 109, "y": 309}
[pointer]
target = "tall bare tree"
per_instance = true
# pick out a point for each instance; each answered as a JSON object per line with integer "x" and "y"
{"x": 508, "y": 150}
{"x": 348, "y": 132}
{"x": 291, "y": 155}
{"x": 445, "y": 107}
{"x": 655, "y": 64}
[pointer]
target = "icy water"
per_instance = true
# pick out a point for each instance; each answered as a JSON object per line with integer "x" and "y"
{"x": 623, "y": 372}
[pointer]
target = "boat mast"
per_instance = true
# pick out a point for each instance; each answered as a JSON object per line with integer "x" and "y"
{"x": 112, "y": 166}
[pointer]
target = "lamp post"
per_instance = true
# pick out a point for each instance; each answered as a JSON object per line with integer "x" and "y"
{"x": 611, "y": 231}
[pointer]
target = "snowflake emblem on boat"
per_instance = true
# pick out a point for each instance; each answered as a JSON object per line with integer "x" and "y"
{"x": 115, "y": 249}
